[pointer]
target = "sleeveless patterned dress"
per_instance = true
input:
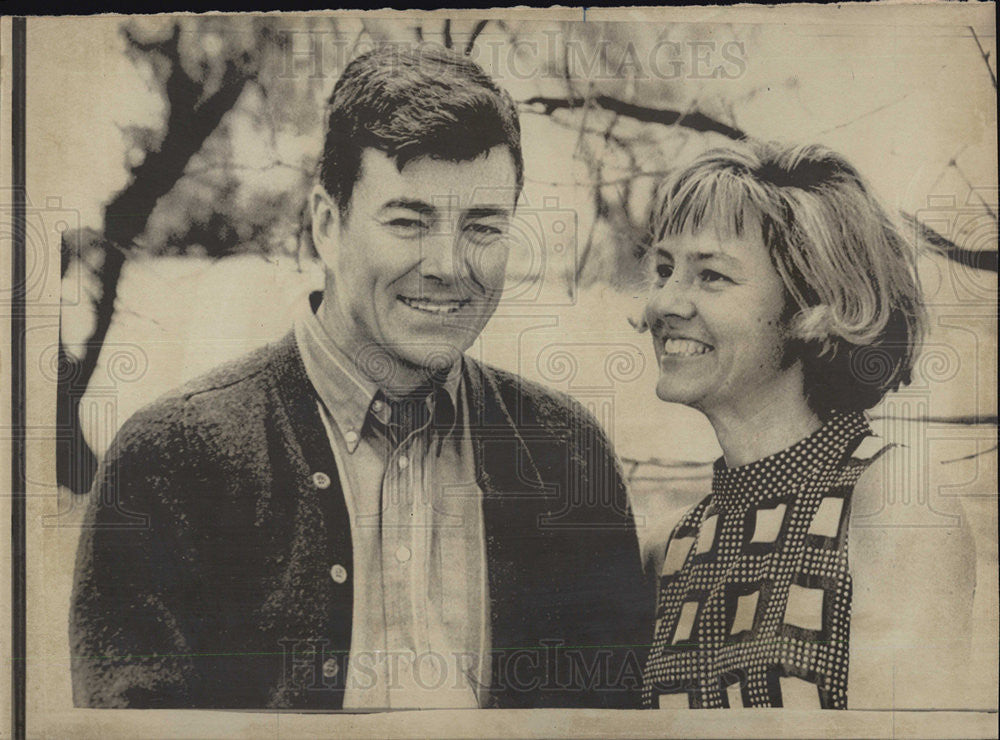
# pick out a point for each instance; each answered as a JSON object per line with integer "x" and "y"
{"x": 754, "y": 607}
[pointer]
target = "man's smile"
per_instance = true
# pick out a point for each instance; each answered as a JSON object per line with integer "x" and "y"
{"x": 435, "y": 306}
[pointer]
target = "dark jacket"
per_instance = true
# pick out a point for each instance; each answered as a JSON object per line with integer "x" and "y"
{"x": 203, "y": 577}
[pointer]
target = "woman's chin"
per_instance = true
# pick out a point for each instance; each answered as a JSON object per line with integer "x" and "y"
{"x": 670, "y": 392}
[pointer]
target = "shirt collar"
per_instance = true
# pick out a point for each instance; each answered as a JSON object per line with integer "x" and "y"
{"x": 349, "y": 396}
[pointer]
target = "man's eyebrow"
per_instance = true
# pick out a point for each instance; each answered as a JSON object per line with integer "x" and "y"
{"x": 487, "y": 211}
{"x": 421, "y": 206}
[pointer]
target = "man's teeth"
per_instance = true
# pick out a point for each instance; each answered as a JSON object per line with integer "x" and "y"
{"x": 685, "y": 347}
{"x": 435, "y": 307}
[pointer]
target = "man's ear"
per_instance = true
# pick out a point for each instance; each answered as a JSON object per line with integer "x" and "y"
{"x": 325, "y": 222}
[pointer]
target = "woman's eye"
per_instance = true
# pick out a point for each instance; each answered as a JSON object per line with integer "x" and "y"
{"x": 711, "y": 276}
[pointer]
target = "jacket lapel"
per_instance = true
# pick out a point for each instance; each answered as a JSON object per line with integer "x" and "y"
{"x": 514, "y": 497}
{"x": 320, "y": 605}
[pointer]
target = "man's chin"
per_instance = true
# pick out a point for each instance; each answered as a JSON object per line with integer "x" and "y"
{"x": 432, "y": 355}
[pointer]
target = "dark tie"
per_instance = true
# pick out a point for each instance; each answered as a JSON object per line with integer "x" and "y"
{"x": 406, "y": 415}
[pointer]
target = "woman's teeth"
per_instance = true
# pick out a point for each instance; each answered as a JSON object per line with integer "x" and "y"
{"x": 433, "y": 307}
{"x": 685, "y": 347}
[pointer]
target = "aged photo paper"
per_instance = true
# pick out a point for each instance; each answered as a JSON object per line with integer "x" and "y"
{"x": 566, "y": 372}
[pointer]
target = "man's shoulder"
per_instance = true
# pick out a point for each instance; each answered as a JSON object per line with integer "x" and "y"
{"x": 223, "y": 397}
{"x": 536, "y": 403}
{"x": 512, "y": 385}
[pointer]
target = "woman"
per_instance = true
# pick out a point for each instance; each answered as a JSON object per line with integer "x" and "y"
{"x": 786, "y": 304}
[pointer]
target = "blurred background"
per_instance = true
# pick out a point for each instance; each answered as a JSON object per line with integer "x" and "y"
{"x": 186, "y": 146}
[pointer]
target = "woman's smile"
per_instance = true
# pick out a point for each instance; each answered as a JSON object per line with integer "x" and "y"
{"x": 684, "y": 348}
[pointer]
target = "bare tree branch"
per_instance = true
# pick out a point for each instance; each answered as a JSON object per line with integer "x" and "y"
{"x": 696, "y": 121}
{"x": 223, "y": 166}
{"x": 625, "y": 179}
{"x": 872, "y": 112}
{"x": 193, "y": 114}
{"x": 476, "y": 30}
{"x": 979, "y": 259}
{"x": 448, "y": 41}
{"x": 973, "y": 456}
{"x": 986, "y": 57}
{"x": 979, "y": 196}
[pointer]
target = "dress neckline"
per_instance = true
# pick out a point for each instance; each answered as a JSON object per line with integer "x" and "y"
{"x": 783, "y": 472}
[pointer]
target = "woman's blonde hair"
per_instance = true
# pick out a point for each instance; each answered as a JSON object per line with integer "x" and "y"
{"x": 855, "y": 313}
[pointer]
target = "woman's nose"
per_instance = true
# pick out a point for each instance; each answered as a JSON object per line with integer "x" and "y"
{"x": 673, "y": 298}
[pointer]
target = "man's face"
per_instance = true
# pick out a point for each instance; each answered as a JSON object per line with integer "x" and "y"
{"x": 415, "y": 268}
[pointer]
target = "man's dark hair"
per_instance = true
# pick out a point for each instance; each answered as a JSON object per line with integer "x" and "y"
{"x": 408, "y": 103}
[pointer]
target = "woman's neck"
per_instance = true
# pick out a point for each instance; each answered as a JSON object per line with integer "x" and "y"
{"x": 763, "y": 423}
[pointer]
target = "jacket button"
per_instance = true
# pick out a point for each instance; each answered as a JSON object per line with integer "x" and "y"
{"x": 330, "y": 668}
{"x": 338, "y": 573}
{"x": 321, "y": 480}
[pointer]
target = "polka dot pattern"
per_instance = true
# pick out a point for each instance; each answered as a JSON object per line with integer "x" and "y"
{"x": 730, "y": 567}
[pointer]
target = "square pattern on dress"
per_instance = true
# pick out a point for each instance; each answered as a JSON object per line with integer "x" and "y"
{"x": 706, "y": 535}
{"x": 759, "y": 614}
{"x": 677, "y": 553}
{"x": 746, "y": 609}
{"x": 768, "y": 524}
{"x": 804, "y": 607}
{"x": 686, "y": 622}
{"x": 826, "y": 522}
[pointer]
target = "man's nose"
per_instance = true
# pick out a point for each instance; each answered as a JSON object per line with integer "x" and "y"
{"x": 672, "y": 299}
{"x": 439, "y": 258}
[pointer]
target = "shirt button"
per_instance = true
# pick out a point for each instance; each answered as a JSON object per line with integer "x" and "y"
{"x": 338, "y": 573}
{"x": 402, "y": 553}
{"x": 403, "y": 463}
{"x": 321, "y": 480}
{"x": 377, "y": 405}
{"x": 330, "y": 668}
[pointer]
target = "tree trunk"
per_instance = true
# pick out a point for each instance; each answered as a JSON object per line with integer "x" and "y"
{"x": 191, "y": 119}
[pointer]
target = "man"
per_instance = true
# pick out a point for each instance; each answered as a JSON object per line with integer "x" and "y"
{"x": 359, "y": 516}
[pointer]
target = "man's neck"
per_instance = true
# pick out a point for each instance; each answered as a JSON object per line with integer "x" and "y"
{"x": 396, "y": 378}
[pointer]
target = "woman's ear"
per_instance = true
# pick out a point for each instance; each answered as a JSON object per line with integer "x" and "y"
{"x": 325, "y": 222}
{"x": 638, "y": 321}
{"x": 637, "y": 317}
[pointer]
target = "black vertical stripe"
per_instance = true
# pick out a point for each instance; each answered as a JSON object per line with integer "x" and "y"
{"x": 18, "y": 390}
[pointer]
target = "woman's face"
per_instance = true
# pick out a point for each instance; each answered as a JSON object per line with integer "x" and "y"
{"x": 715, "y": 313}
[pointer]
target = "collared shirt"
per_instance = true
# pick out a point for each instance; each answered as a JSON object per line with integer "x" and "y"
{"x": 420, "y": 632}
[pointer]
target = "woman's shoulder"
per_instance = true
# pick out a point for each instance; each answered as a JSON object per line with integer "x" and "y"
{"x": 913, "y": 567}
{"x": 897, "y": 514}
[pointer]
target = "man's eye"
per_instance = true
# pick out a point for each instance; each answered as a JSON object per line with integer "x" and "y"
{"x": 407, "y": 224}
{"x": 711, "y": 276}
{"x": 664, "y": 271}
{"x": 484, "y": 230}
